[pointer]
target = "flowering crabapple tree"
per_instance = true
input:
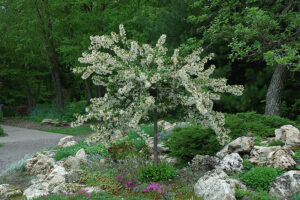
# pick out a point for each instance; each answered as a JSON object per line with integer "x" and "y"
{"x": 142, "y": 78}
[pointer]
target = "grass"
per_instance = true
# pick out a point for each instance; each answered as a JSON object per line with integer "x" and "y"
{"x": 82, "y": 130}
{"x": 1, "y": 145}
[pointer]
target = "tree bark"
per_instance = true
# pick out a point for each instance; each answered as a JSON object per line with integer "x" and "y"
{"x": 275, "y": 90}
{"x": 155, "y": 150}
{"x": 89, "y": 91}
{"x": 30, "y": 102}
{"x": 99, "y": 91}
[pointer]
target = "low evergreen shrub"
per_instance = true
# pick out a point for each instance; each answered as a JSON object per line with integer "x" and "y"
{"x": 161, "y": 172}
{"x": 260, "y": 178}
{"x": 186, "y": 142}
{"x": 261, "y": 195}
{"x": 260, "y": 125}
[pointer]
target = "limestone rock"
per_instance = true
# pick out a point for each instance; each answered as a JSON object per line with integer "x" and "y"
{"x": 288, "y": 134}
{"x": 204, "y": 162}
{"x": 9, "y": 191}
{"x": 286, "y": 185}
{"x": 39, "y": 164}
{"x": 81, "y": 155}
{"x": 239, "y": 145}
{"x": 54, "y": 122}
{"x": 37, "y": 190}
{"x": 231, "y": 163}
{"x": 66, "y": 141}
{"x": 216, "y": 184}
{"x": 281, "y": 159}
{"x": 72, "y": 163}
{"x": 259, "y": 154}
{"x": 161, "y": 147}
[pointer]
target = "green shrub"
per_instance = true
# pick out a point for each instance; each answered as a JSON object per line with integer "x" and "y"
{"x": 186, "y": 142}
{"x": 247, "y": 165}
{"x": 276, "y": 143}
{"x": 260, "y": 125}
{"x": 261, "y": 195}
{"x": 161, "y": 172}
{"x": 296, "y": 196}
{"x": 297, "y": 155}
{"x": 260, "y": 178}
{"x": 72, "y": 150}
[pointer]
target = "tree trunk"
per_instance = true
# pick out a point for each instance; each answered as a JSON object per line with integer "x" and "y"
{"x": 51, "y": 54}
{"x": 99, "y": 91}
{"x": 89, "y": 91}
{"x": 28, "y": 94}
{"x": 275, "y": 90}
{"x": 155, "y": 150}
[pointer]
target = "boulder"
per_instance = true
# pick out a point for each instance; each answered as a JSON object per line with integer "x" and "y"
{"x": 9, "y": 191}
{"x": 72, "y": 163}
{"x": 286, "y": 185}
{"x": 288, "y": 134}
{"x": 239, "y": 145}
{"x": 231, "y": 163}
{"x": 37, "y": 190}
{"x": 66, "y": 141}
{"x": 81, "y": 155}
{"x": 161, "y": 147}
{"x": 39, "y": 164}
{"x": 282, "y": 159}
{"x": 216, "y": 184}
{"x": 204, "y": 162}
{"x": 259, "y": 154}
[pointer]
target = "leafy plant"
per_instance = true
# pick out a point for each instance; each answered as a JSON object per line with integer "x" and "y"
{"x": 186, "y": 142}
{"x": 261, "y": 195}
{"x": 296, "y": 196}
{"x": 260, "y": 178}
{"x": 276, "y": 143}
{"x": 161, "y": 172}
{"x": 297, "y": 155}
{"x": 120, "y": 150}
{"x": 247, "y": 165}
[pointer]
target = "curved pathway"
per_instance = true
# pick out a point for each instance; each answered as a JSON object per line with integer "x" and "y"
{"x": 21, "y": 142}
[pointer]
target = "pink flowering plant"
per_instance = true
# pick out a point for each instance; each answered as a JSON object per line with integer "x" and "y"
{"x": 130, "y": 182}
{"x": 157, "y": 188}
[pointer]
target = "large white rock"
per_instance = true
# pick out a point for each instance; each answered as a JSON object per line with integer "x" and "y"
{"x": 9, "y": 191}
{"x": 39, "y": 164}
{"x": 231, "y": 163}
{"x": 216, "y": 184}
{"x": 239, "y": 145}
{"x": 81, "y": 155}
{"x": 259, "y": 154}
{"x": 286, "y": 185}
{"x": 66, "y": 141}
{"x": 288, "y": 134}
{"x": 281, "y": 159}
{"x": 36, "y": 190}
{"x": 72, "y": 163}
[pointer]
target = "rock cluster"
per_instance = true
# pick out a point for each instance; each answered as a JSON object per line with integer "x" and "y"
{"x": 54, "y": 122}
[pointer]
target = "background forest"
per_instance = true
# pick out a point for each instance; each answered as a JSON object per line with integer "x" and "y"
{"x": 256, "y": 45}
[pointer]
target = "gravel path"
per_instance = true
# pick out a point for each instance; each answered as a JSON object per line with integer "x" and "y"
{"x": 21, "y": 142}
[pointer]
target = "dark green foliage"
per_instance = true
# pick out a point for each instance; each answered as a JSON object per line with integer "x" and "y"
{"x": 247, "y": 165}
{"x": 297, "y": 155}
{"x": 261, "y": 195}
{"x": 1, "y": 116}
{"x": 72, "y": 150}
{"x": 276, "y": 143}
{"x": 260, "y": 125}
{"x": 40, "y": 112}
{"x": 260, "y": 178}
{"x": 121, "y": 150}
{"x": 161, "y": 172}
{"x": 296, "y": 196}
{"x": 186, "y": 142}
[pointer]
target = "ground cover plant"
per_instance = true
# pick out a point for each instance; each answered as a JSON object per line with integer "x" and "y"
{"x": 260, "y": 178}
{"x": 2, "y": 133}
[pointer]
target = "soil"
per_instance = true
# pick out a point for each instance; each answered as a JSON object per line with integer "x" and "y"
{"x": 26, "y": 123}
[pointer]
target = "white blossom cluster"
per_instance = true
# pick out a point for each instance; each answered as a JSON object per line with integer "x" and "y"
{"x": 141, "y": 78}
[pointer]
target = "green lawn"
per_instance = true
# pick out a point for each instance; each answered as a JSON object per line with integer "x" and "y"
{"x": 82, "y": 130}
